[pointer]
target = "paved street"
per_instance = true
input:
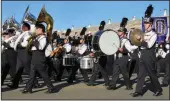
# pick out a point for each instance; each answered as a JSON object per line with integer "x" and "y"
{"x": 80, "y": 91}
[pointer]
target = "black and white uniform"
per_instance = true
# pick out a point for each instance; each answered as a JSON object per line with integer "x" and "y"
{"x": 147, "y": 59}
{"x": 51, "y": 61}
{"x": 23, "y": 58}
{"x": 164, "y": 63}
{"x": 8, "y": 58}
{"x": 133, "y": 61}
{"x": 38, "y": 62}
{"x": 80, "y": 52}
{"x": 67, "y": 47}
{"x": 100, "y": 66}
{"x": 120, "y": 64}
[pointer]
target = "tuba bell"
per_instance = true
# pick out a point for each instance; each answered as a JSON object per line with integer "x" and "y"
{"x": 28, "y": 17}
{"x": 46, "y": 18}
{"x": 5, "y": 25}
{"x": 133, "y": 34}
{"x": 14, "y": 24}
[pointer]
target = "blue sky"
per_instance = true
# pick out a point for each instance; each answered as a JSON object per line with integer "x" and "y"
{"x": 82, "y": 13}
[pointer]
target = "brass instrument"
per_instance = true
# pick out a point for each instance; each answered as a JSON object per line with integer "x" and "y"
{"x": 14, "y": 24}
{"x": 28, "y": 17}
{"x": 133, "y": 34}
{"x": 57, "y": 51}
{"x": 43, "y": 17}
{"x": 5, "y": 25}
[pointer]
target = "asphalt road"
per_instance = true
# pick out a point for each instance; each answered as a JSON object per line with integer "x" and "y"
{"x": 79, "y": 90}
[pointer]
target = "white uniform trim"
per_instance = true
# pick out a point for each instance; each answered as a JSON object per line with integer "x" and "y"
{"x": 128, "y": 46}
{"x": 22, "y": 39}
{"x": 82, "y": 49}
{"x": 150, "y": 38}
{"x": 67, "y": 47}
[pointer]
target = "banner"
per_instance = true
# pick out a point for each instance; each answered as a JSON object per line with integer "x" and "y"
{"x": 160, "y": 25}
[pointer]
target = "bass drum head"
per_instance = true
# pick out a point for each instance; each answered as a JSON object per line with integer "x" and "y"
{"x": 109, "y": 42}
{"x": 48, "y": 50}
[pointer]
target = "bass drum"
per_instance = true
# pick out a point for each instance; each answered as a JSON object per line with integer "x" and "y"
{"x": 105, "y": 42}
{"x": 48, "y": 50}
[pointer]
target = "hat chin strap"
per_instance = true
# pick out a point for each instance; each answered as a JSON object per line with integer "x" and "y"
{"x": 148, "y": 28}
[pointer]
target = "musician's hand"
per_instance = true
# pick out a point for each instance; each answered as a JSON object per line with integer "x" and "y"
{"x": 34, "y": 36}
{"x": 138, "y": 37}
{"x": 120, "y": 49}
{"x": 91, "y": 54}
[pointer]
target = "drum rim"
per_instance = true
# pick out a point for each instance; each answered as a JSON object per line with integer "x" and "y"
{"x": 102, "y": 31}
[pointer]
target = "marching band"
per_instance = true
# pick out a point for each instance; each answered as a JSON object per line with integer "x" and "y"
{"x": 37, "y": 52}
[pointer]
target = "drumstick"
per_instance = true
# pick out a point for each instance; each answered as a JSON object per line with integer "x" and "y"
{"x": 115, "y": 45}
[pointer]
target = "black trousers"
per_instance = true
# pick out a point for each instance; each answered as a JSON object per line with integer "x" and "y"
{"x": 120, "y": 66}
{"x": 163, "y": 64}
{"x": 38, "y": 63}
{"x": 99, "y": 68}
{"x": 133, "y": 64}
{"x": 60, "y": 68}
{"x": 83, "y": 72}
{"x": 53, "y": 66}
{"x": 147, "y": 65}
{"x": 8, "y": 64}
{"x": 23, "y": 62}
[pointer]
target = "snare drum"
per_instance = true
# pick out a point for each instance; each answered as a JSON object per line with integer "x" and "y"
{"x": 86, "y": 63}
{"x": 69, "y": 60}
{"x": 105, "y": 42}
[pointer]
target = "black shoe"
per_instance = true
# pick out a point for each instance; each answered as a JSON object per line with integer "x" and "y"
{"x": 158, "y": 93}
{"x": 51, "y": 91}
{"x": 12, "y": 86}
{"x": 106, "y": 85}
{"x": 90, "y": 84}
{"x": 111, "y": 87}
{"x": 100, "y": 76}
{"x": 164, "y": 85}
{"x": 86, "y": 82}
{"x": 69, "y": 81}
{"x": 128, "y": 88}
{"x": 136, "y": 94}
{"x": 56, "y": 78}
{"x": 26, "y": 91}
{"x": 37, "y": 86}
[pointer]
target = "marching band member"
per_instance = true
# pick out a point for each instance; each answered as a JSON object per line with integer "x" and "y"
{"x": 67, "y": 47}
{"x": 23, "y": 57}
{"x": 88, "y": 39}
{"x": 80, "y": 52}
{"x": 133, "y": 61}
{"x": 163, "y": 63}
{"x": 120, "y": 64}
{"x": 38, "y": 60}
{"x": 147, "y": 57}
{"x": 52, "y": 61}
{"x": 99, "y": 64}
{"x": 8, "y": 55}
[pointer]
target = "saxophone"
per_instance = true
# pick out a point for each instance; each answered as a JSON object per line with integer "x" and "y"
{"x": 46, "y": 18}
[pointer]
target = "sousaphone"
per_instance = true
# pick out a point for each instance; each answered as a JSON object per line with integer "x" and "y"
{"x": 43, "y": 17}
